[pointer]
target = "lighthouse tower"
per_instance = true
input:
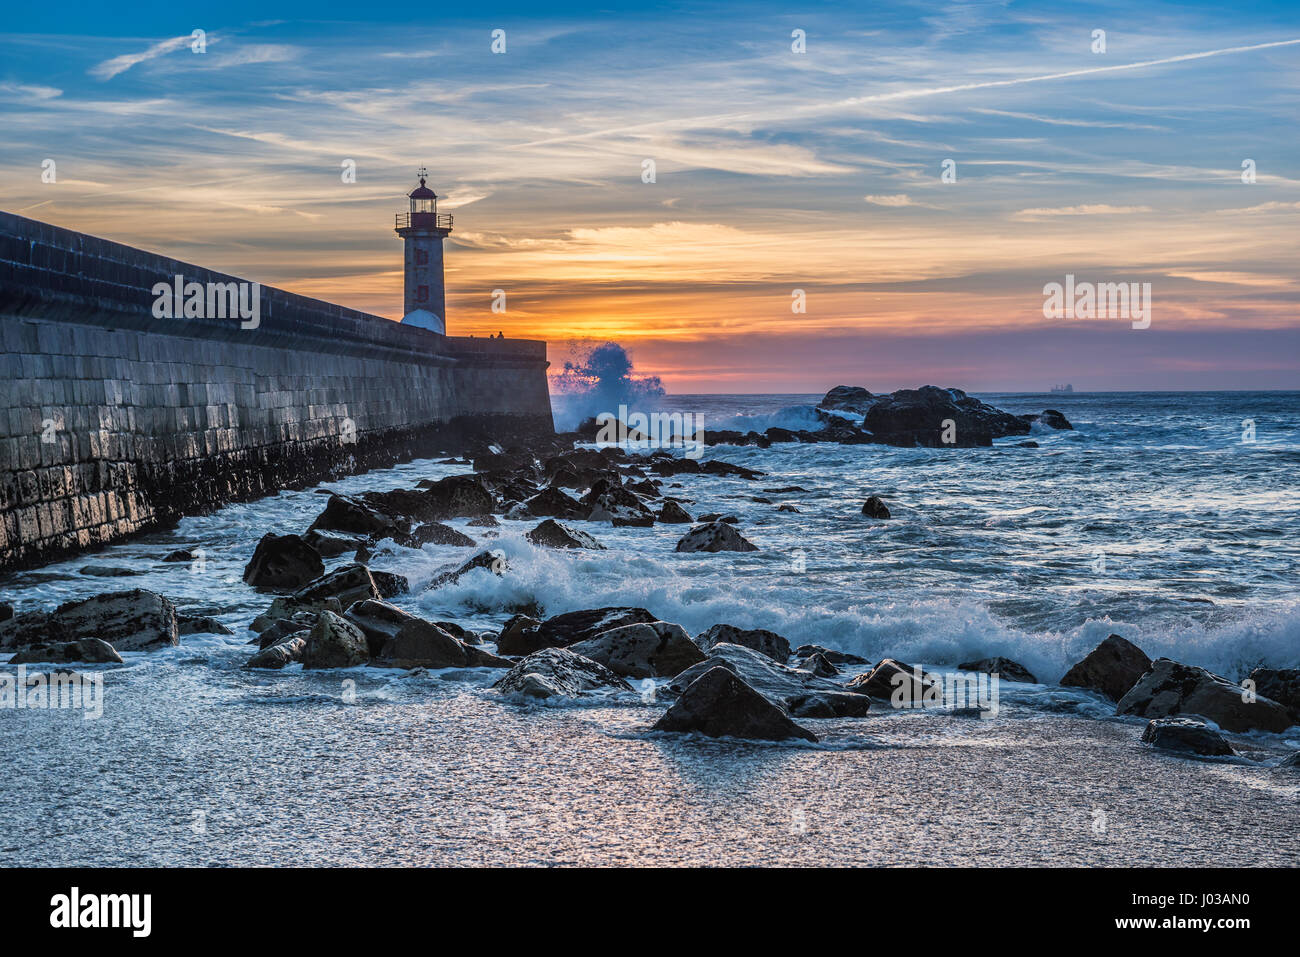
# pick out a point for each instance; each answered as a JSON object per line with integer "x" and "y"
{"x": 423, "y": 229}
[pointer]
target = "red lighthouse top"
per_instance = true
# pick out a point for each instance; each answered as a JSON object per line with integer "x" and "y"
{"x": 424, "y": 209}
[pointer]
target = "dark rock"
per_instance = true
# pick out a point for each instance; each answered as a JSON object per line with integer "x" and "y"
{"x": 875, "y": 508}
{"x": 848, "y": 398}
{"x": 553, "y": 502}
{"x": 331, "y": 546}
{"x": 285, "y": 628}
{"x": 484, "y": 521}
{"x": 1291, "y": 762}
{"x": 523, "y": 636}
{"x": 1050, "y": 418}
{"x": 1280, "y": 684}
{"x": 558, "y": 672}
{"x": 180, "y": 555}
{"x": 787, "y": 508}
{"x": 495, "y": 562}
{"x": 458, "y": 496}
{"x": 834, "y": 657}
{"x": 817, "y": 665}
{"x": 759, "y": 639}
{"x": 200, "y": 625}
{"x": 715, "y": 537}
{"x": 911, "y": 417}
{"x": 718, "y": 467}
{"x": 893, "y": 680}
{"x": 284, "y": 652}
{"x": 607, "y": 501}
{"x": 335, "y": 642}
{"x": 86, "y": 649}
{"x": 136, "y": 620}
{"x": 799, "y": 692}
{"x": 673, "y": 514}
{"x": 348, "y": 584}
{"x": 390, "y": 584}
{"x": 1026, "y": 445}
{"x": 719, "y": 704}
{"x": 1186, "y": 734}
{"x": 1004, "y": 668}
{"x": 283, "y": 561}
{"x": 553, "y": 534}
{"x": 647, "y": 650}
{"x": 435, "y": 533}
{"x": 345, "y": 514}
{"x": 1172, "y": 688}
{"x": 286, "y": 607}
{"x": 1112, "y": 668}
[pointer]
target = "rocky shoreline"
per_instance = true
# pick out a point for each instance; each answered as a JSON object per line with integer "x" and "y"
{"x": 726, "y": 682}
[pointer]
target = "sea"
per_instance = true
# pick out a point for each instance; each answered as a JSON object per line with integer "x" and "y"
{"x": 1171, "y": 519}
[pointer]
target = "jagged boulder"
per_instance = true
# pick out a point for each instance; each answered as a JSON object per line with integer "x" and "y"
{"x": 1005, "y": 668}
{"x": 286, "y": 607}
{"x": 801, "y": 693}
{"x": 553, "y": 534}
{"x": 719, "y": 704}
{"x": 286, "y": 628}
{"x": 435, "y": 533}
{"x": 523, "y": 636}
{"x": 458, "y": 496}
{"x": 91, "y": 650}
{"x": 759, "y": 639}
{"x": 200, "y": 625}
{"x": 673, "y": 514}
{"x": 346, "y": 514}
{"x": 283, "y": 561}
{"x": 135, "y": 620}
{"x": 1112, "y": 668}
{"x": 831, "y": 655}
{"x": 335, "y": 642}
{"x": 715, "y": 537}
{"x": 1186, "y": 734}
{"x": 818, "y": 665}
{"x": 896, "y": 682}
{"x": 553, "y": 502}
{"x": 607, "y": 501}
{"x": 1172, "y": 688}
{"x": 874, "y": 507}
{"x": 281, "y": 653}
{"x": 1050, "y": 418}
{"x": 348, "y": 584}
{"x": 558, "y": 672}
{"x": 912, "y": 417}
{"x": 390, "y": 584}
{"x": 647, "y": 650}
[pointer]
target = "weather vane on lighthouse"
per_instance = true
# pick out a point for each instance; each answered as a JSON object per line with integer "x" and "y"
{"x": 423, "y": 229}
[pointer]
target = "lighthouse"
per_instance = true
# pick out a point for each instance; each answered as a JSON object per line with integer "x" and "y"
{"x": 423, "y": 229}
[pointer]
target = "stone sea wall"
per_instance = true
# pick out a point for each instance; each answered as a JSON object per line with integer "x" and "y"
{"x": 113, "y": 421}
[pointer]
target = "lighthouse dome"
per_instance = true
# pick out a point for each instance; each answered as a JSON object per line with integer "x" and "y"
{"x": 422, "y": 192}
{"x": 424, "y": 319}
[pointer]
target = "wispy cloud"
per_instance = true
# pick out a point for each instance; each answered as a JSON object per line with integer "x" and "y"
{"x": 120, "y": 64}
{"x": 1088, "y": 209}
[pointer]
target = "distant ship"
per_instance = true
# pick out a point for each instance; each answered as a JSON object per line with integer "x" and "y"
{"x": 1063, "y": 388}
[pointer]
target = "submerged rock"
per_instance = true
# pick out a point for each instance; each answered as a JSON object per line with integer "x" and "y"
{"x": 107, "y": 571}
{"x": 1186, "y": 734}
{"x": 719, "y": 704}
{"x": 1050, "y": 418}
{"x": 435, "y": 533}
{"x": 874, "y": 507}
{"x": 799, "y": 692}
{"x": 647, "y": 650}
{"x": 1112, "y": 668}
{"x": 523, "y": 635}
{"x": 553, "y": 534}
{"x": 283, "y": 561}
{"x": 715, "y": 537}
{"x": 1005, "y": 668}
{"x": 87, "y": 649}
{"x": 759, "y": 639}
{"x": 200, "y": 625}
{"x": 335, "y": 642}
{"x": 834, "y": 657}
{"x": 554, "y": 672}
{"x": 1171, "y": 688}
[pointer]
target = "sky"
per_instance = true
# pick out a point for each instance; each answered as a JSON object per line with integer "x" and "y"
{"x": 780, "y": 175}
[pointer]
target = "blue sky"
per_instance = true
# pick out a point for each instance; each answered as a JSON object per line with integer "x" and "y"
{"x": 775, "y": 171}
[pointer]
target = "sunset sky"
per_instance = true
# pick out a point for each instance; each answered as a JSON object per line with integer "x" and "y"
{"x": 775, "y": 171}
